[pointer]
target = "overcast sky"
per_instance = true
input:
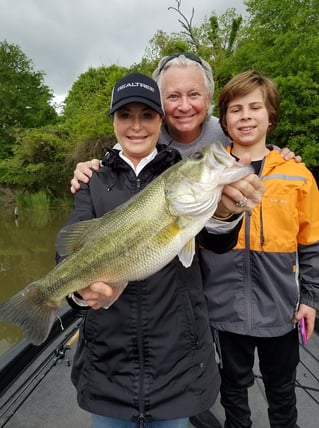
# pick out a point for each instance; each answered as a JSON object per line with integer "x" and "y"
{"x": 63, "y": 38}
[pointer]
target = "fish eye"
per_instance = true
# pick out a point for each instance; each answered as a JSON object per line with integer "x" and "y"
{"x": 197, "y": 155}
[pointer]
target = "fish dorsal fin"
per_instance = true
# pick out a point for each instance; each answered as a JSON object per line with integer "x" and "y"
{"x": 72, "y": 237}
{"x": 187, "y": 253}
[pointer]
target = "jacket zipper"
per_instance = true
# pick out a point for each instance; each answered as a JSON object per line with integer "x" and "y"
{"x": 247, "y": 269}
{"x": 140, "y": 422}
{"x": 261, "y": 236}
{"x": 247, "y": 272}
{"x": 140, "y": 350}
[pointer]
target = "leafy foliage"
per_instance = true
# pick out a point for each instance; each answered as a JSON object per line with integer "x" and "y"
{"x": 86, "y": 116}
{"x": 24, "y": 98}
{"x": 281, "y": 39}
{"x": 86, "y": 113}
{"x": 38, "y": 162}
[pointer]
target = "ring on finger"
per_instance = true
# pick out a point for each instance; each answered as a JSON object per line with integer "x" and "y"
{"x": 242, "y": 203}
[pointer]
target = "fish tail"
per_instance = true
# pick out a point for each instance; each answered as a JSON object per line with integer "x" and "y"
{"x": 31, "y": 311}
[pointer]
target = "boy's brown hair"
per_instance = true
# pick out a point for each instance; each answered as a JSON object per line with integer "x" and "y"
{"x": 243, "y": 84}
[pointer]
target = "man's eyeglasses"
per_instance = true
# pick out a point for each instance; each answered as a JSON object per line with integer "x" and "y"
{"x": 188, "y": 55}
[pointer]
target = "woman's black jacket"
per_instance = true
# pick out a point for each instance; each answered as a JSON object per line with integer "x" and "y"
{"x": 150, "y": 355}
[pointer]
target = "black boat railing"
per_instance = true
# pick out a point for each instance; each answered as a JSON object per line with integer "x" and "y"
{"x": 18, "y": 358}
{"x": 24, "y": 366}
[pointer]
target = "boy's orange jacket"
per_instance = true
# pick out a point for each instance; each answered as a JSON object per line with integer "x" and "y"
{"x": 256, "y": 288}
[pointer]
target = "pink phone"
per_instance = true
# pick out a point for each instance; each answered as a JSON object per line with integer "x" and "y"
{"x": 303, "y": 331}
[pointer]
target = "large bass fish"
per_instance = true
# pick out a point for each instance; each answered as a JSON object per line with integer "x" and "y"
{"x": 131, "y": 242}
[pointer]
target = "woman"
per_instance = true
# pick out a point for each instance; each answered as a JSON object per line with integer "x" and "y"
{"x": 148, "y": 360}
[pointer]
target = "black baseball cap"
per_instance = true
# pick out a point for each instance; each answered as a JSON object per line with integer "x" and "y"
{"x": 136, "y": 88}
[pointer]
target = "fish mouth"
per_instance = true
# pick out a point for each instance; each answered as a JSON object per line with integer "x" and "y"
{"x": 219, "y": 158}
{"x": 222, "y": 162}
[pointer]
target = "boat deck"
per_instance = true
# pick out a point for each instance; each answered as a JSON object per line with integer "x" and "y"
{"x": 43, "y": 397}
{"x": 307, "y": 391}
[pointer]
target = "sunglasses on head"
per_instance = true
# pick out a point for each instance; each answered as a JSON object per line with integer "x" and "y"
{"x": 187, "y": 55}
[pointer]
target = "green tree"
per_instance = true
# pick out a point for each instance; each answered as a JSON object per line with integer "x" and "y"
{"x": 86, "y": 118}
{"x": 281, "y": 40}
{"x": 24, "y": 98}
{"x": 86, "y": 112}
{"x": 38, "y": 162}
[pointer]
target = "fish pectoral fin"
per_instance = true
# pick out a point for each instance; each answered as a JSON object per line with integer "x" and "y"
{"x": 72, "y": 237}
{"x": 187, "y": 253}
{"x": 183, "y": 221}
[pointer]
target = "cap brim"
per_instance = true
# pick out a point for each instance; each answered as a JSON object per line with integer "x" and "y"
{"x": 141, "y": 100}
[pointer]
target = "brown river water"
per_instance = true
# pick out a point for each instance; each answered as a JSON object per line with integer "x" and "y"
{"x": 27, "y": 253}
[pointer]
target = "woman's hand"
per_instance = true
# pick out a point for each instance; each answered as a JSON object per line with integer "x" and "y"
{"x": 243, "y": 195}
{"x": 101, "y": 295}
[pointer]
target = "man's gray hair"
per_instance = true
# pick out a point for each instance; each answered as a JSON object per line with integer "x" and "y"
{"x": 183, "y": 61}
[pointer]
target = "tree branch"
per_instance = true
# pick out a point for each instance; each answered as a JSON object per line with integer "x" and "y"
{"x": 185, "y": 23}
